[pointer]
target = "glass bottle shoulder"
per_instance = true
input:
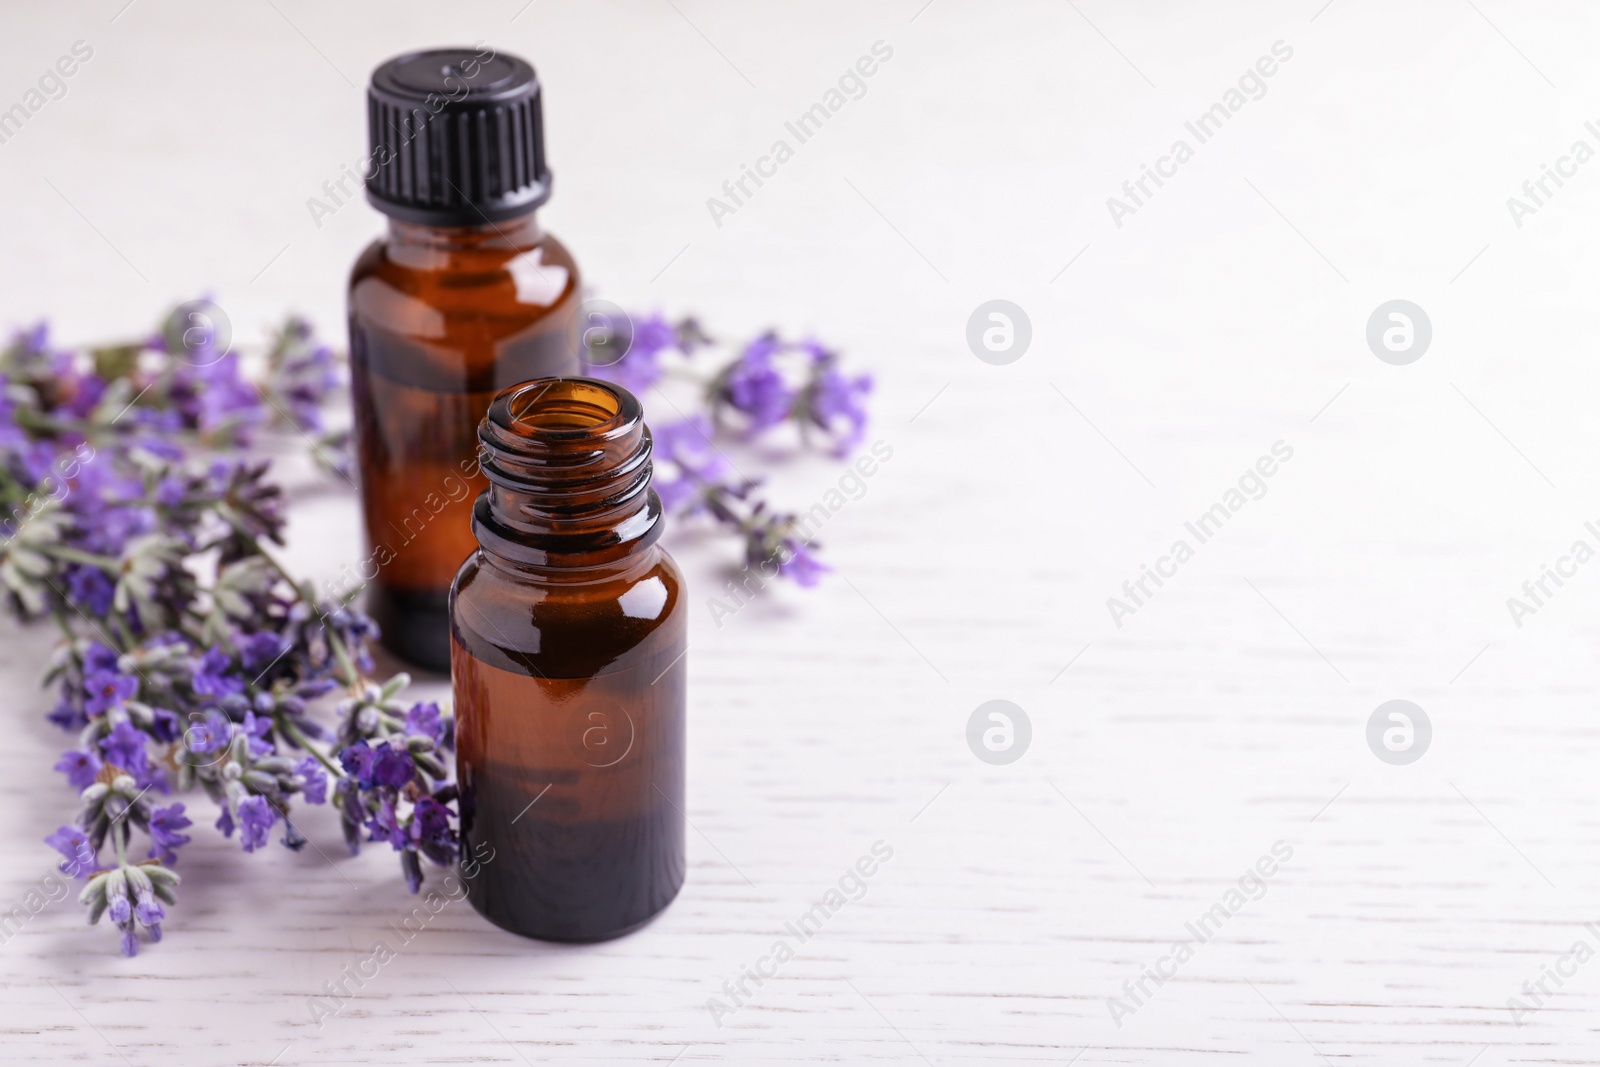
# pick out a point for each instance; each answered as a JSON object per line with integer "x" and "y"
{"x": 570, "y": 628}
{"x": 421, "y": 285}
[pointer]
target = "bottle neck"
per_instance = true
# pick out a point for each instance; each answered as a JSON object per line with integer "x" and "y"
{"x": 568, "y": 465}
{"x": 420, "y": 245}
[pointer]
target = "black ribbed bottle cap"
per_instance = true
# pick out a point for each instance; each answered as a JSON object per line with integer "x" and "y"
{"x": 456, "y": 137}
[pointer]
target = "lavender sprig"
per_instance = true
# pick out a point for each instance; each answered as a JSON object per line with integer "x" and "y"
{"x": 121, "y": 502}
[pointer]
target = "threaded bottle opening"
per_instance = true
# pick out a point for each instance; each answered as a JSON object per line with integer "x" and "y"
{"x": 568, "y": 464}
{"x": 553, "y": 405}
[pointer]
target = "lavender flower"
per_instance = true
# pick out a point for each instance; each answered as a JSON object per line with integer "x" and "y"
{"x": 72, "y": 843}
{"x": 383, "y": 765}
{"x": 90, "y": 587}
{"x": 105, "y": 689}
{"x": 753, "y": 386}
{"x": 801, "y": 565}
{"x": 611, "y": 350}
{"x": 256, "y": 817}
{"x": 424, "y": 721}
{"x": 314, "y": 785}
{"x": 836, "y": 404}
{"x": 79, "y": 767}
{"x": 302, "y": 376}
{"x": 208, "y": 734}
{"x": 165, "y": 839}
{"x": 687, "y": 464}
{"x": 214, "y": 675}
{"x": 124, "y": 747}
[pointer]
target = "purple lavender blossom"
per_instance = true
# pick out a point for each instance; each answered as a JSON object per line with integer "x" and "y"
{"x": 98, "y": 657}
{"x": 213, "y": 675}
{"x": 256, "y": 818}
{"x": 315, "y": 788}
{"x": 412, "y": 869}
{"x": 803, "y": 567}
{"x": 164, "y": 836}
{"x": 356, "y": 760}
{"x": 423, "y": 720}
{"x": 641, "y": 341}
{"x": 208, "y": 734}
{"x": 120, "y": 909}
{"x": 90, "y": 588}
{"x": 754, "y": 386}
{"x": 109, "y": 503}
{"x": 431, "y": 830}
{"x": 215, "y": 394}
{"x": 124, "y": 747}
{"x": 79, "y": 767}
{"x": 107, "y": 689}
{"x": 171, "y": 491}
{"x": 641, "y": 367}
{"x": 87, "y": 392}
{"x": 258, "y": 728}
{"x": 73, "y": 843}
{"x": 392, "y": 766}
{"x": 65, "y": 715}
{"x": 384, "y": 765}
{"x": 163, "y": 725}
{"x": 384, "y": 824}
{"x": 312, "y": 379}
{"x": 654, "y": 334}
{"x": 12, "y": 436}
{"x": 302, "y": 374}
{"x": 258, "y": 651}
{"x": 685, "y": 449}
{"x": 148, "y": 909}
{"x": 833, "y": 399}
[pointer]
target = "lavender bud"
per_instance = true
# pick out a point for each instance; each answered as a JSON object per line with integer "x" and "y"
{"x": 260, "y": 782}
{"x": 95, "y": 890}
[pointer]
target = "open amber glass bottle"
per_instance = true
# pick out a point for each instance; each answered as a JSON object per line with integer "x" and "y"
{"x": 465, "y": 296}
{"x": 567, "y": 656}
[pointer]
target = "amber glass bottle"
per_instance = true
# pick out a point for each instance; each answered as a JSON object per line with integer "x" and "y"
{"x": 464, "y": 297}
{"x": 567, "y": 654}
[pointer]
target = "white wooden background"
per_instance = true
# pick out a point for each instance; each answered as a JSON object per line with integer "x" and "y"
{"x": 1226, "y": 314}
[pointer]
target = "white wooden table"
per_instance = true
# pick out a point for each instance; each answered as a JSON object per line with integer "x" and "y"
{"x": 1228, "y": 713}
